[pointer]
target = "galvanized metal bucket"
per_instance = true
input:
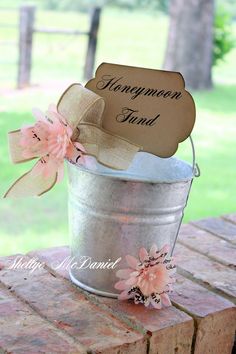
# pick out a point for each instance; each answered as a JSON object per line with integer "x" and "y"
{"x": 114, "y": 213}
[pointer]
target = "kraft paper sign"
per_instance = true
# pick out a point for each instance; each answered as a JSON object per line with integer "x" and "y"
{"x": 150, "y": 108}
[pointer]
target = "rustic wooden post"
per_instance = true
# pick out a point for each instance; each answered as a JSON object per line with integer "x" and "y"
{"x": 92, "y": 43}
{"x": 26, "y": 28}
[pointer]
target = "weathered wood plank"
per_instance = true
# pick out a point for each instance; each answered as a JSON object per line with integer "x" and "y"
{"x": 206, "y": 243}
{"x": 24, "y": 331}
{"x": 230, "y": 217}
{"x": 209, "y": 272}
{"x": 214, "y": 316}
{"x": 210, "y": 313}
{"x": 219, "y": 227}
{"x": 92, "y": 43}
{"x": 64, "y": 306}
{"x": 168, "y": 322}
{"x": 26, "y": 27}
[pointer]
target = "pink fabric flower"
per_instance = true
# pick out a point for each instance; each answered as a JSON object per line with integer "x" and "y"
{"x": 50, "y": 140}
{"x": 148, "y": 280}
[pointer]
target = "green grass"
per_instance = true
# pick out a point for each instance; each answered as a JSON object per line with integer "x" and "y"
{"x": 128, "y": 38}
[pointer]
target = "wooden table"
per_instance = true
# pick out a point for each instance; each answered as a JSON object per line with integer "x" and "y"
{"x": 43, "y": 312}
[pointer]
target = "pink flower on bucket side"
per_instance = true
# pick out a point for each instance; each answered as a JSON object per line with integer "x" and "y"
{"x": 50, "y": 140}
{"x": 148, "y": 280}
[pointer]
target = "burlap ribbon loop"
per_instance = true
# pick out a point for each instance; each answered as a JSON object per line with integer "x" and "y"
{"x": 82, "y": 110}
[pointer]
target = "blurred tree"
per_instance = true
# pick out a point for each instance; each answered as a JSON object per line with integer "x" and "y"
{"x": 190, "y": 41}
{"x": 228, "y": 6}
{"x": 223, "y": 39}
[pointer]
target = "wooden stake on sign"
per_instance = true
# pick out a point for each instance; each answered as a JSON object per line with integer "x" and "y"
{"x": 92, "y": 43}
{"x": 26, "y": 28}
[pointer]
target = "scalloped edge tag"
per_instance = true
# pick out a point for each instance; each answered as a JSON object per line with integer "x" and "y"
{"x": 150, "y": 108}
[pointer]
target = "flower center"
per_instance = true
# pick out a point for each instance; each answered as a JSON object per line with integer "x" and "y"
{"x": 148, "y": 274}
{"x": 152, "y": 276}
{"x": 59, "y": 139}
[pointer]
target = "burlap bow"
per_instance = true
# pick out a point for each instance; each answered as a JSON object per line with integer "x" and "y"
{"x": 81, "y": 113}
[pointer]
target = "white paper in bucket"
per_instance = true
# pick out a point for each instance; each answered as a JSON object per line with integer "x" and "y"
{"x": 146, "y": 167}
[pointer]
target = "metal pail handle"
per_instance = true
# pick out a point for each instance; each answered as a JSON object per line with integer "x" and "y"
{"x": 195, "y": 167}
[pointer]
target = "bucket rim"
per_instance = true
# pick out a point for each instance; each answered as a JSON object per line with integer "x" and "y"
{"x": 135, "y": 180}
